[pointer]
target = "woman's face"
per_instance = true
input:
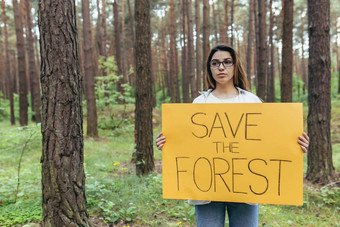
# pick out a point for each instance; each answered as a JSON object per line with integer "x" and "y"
{"x": 222, "y": 73}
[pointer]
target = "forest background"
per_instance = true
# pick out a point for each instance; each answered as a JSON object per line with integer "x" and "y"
{"x": 123, "y": 178}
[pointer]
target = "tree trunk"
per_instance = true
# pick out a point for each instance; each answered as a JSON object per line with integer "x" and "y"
{"x": 287, "y": 52}
{"x": 8, "y": 64}
{"x": 126, "y": 79}
{"x": 303, "y": 64}
{"x": 117, "y": 47}
{"x": 250, "y": 40}
{"x": 63, "y": 177}
{"x": 32, "y": 66}
{"x": 185, "y": 76}
{"x": 23, "y": 104}
{"x": 104, "y": 37}
{"x": 133, "y": 38}
{"x": 172, "y": 59}
{"x": 198, "y": 46}
{"x": 271, "y": 73}
{"x": 191, "y": 50}
{"x": 232, "y": 24}
{"x": 143, "y": 122}
{"x": 206, "y": 32}
{"x": 262, "y": 51}
{"x": 320, "y": 165}
{"x": 89, "y": 72}
{"x": 214, "y": 22}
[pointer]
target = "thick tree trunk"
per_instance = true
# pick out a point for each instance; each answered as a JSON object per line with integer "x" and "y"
{"x": 63, "y": 177}
{"x": 23, "y": 104}
{"x": 287, "y": 52}
{"x": 250, "y": 40}
{"x": 89, "y": 72}
{"x": 143, "y": 122}
{"x": 262, "y": 50}
{"x": 320, "y": 165}
{"x": 35, "y": 86}
{"x": 198, "y": 46}
{"x": 8, "y": 64}
{"x": 271, "y": 73}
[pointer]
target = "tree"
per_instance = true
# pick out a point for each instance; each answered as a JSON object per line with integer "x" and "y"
{"x": 143, "y": 112}
{"x": 35, "y": 86}
{"x": 206, "y": 30}
{"x": 250, "y": 40}
{"x": 185, "y": 77}
{"x": 287, "y": 52}
{"x": 262, "y": 51}
{"x": 63, "y": 177}
{"x": 117, "y": 46}
{"x": 198, "y": 46}
{"x": 23, "y": 104}
{"x": 92, "y": 129}
{"x": 191, "y": 55}
{"x": 172, "y": 60}
{"x": 8, "y": 64}
{"x": 320, "y": 165}
{"x": 271, "y": 71}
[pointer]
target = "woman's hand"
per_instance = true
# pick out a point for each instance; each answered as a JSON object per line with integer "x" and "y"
{"x": 304, "y": 142}
{"x": 160, "y": 140}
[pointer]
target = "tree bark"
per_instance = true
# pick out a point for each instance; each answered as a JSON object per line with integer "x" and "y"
{"x": 262, "y": 54}
{"x": 232, "y": 23}
{"x": 63, "y": 177}
{"x": 172, "y": 60}
{"x": 117, "y": 47}
{"x": 89, "y": 72}
{"x": 206, "y": 32}
{"x": 23, "y": 104}
{"x": 143, "y": 122}
{"x": 35, "y": 86}
{"x": 185, "y": 76}
{"x": 191, "y": 50}
{"x": 133, "y": 38}
{"x": 287, "y": 52}
{"x": 271, "y": 73}
{"x": 8, "y": 64}
{"x": 250, "y": 40}
{"x": 198, "y": 46}
{"x": 320, "y": 165}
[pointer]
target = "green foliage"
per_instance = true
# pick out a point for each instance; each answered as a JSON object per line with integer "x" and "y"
{"x": 21, "y": 212}
{"x": 106, "y": 86}
{"x": 4, "y": 107}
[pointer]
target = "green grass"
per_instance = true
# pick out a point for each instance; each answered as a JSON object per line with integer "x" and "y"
{"x": 116, "y": 194}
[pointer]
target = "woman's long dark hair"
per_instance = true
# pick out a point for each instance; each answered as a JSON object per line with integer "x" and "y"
{"x": 240, "y": 77}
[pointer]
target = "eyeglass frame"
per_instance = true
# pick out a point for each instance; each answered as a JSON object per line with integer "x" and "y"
{"x": 219, "y": 64}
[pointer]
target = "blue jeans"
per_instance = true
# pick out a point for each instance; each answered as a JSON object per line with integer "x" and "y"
{"x": 240, "y": 214}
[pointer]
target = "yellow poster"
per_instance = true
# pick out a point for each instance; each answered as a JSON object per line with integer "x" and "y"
{"x": 233, "y": 152}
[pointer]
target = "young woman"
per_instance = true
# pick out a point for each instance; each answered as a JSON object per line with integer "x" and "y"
{"x": 227, "y": 84}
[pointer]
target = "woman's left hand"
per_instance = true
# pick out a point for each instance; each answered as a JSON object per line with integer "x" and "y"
{"x": 304, "y": 142}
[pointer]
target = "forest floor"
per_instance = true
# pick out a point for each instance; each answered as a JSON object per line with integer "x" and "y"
{"x": 117, "y": 197}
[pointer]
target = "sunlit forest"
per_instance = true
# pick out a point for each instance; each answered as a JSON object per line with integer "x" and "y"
{"x": 82, "y": 84}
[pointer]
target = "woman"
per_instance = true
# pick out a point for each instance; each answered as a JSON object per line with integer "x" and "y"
{"x": 227, "y": 84}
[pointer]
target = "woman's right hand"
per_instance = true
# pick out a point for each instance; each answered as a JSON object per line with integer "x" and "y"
{"x": 160, "y": 140}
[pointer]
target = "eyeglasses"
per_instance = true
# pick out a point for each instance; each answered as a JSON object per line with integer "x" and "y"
{"x": 216, "y": 64}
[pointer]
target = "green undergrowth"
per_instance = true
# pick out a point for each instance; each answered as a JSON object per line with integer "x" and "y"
{"x": 116, "y": 195}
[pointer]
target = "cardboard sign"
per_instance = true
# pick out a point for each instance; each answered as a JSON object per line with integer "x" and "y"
{"x": 233, "y": 152}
